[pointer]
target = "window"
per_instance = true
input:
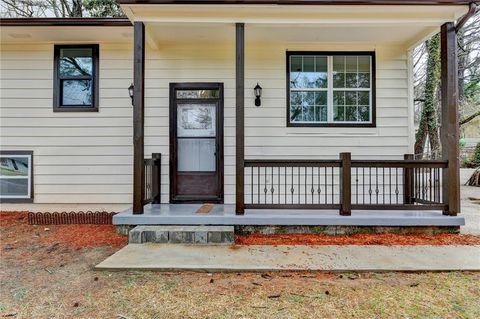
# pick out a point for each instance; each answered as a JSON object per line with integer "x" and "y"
{"x": 331, "y": 88}
{"x": 76, "y": 78}
{"x": 16, "y": 171}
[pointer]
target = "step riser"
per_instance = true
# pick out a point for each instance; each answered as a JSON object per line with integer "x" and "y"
{"x": 164, "y": 235}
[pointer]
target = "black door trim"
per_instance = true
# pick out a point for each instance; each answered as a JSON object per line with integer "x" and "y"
{"x": 174, "y": 198}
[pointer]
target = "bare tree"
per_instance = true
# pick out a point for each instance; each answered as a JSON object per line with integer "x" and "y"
{"x": 60, "y": 8}
{"x": 427, "y": 84}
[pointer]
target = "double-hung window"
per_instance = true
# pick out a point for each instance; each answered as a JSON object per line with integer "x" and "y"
{"x": 76, "y": 78}
{"x": 331, "y": 88}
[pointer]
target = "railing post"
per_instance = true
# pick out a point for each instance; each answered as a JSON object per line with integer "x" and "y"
{"x": 156, "y": 177}
{"x": 408, "y": 181}
{"x": 346, "y": 184}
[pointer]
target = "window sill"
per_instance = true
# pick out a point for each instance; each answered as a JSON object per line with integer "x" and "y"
{"x": 15, "y": 200}
{"x": 331, "y": 125}
{"x": 75, "y": 109}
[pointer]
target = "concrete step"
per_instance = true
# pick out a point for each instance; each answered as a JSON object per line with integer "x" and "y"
{"x": 182, "y": 234}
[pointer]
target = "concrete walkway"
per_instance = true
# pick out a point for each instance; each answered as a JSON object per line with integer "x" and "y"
{"x": 470, "y": 201}
{"x": 167, "y": 257}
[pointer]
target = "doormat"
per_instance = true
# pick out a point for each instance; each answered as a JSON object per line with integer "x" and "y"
{"x": 204, "y": 209}
{"x": 63, "y": 218}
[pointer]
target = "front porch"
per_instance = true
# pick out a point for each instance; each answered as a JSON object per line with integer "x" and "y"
{"x": 298, "y": 179}
{"x": 186, "y": 214}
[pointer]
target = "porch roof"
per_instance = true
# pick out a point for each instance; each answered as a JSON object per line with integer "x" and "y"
{"x": 303, "y": 2}
{"x": 294, "y": 22}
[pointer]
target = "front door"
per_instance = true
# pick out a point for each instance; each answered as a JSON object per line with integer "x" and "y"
{"x": 196, "y": 142}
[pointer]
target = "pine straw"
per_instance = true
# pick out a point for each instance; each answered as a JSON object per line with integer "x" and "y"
{"x": 357, "y": 239}
{"x": 73, "y": 236}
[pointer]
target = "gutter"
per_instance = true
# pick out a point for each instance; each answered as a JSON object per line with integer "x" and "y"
{"x": 471, "y": 11}
{"x": 45, "y": 22}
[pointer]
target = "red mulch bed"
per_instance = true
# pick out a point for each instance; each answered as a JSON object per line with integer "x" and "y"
{"x": 357, "y": 239}
{"x": 74, "y": 236}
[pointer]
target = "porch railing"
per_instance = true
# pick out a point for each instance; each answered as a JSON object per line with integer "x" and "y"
{"x": 152, "y": 167}
{"x": 344, "y": 184}
{"x": 292, "y": 184}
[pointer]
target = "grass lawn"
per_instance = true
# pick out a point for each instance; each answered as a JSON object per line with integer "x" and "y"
{"x": 44, "y": 276}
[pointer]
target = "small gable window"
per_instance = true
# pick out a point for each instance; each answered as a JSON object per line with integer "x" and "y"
{"x": 76, "y": 78}
{"x": 331, "y": 88}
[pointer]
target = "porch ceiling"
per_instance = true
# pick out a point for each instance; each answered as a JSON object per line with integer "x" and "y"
{"x": 167, "y": 33}
{"x": 403, "y": 25}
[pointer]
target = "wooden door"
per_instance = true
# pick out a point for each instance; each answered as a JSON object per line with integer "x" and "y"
{"x": 196, "y": 142}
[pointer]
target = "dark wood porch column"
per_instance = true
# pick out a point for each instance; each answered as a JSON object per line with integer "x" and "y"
{"x": 240, "y": 117}
{"x": 450, "y": 126}
{"x": 138, "y": 116}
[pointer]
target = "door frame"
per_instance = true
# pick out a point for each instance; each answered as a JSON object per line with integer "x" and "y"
{"x": 219, "y": 144}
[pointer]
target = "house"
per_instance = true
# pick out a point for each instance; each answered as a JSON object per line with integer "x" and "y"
{"x": 277, "y": 112}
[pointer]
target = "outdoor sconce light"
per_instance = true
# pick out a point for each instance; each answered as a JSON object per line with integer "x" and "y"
{"x": 258, "y": 94}
{"x": 130, "y": 92}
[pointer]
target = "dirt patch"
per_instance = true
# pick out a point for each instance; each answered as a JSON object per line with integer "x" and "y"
{"x": 357, "y": 239}
{"x": 44, "y": 274}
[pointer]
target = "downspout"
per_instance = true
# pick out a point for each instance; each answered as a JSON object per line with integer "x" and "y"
{"x": 471, "y": 11}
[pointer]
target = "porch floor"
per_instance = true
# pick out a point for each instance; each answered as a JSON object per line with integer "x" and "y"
{"x": 185, "y": 214}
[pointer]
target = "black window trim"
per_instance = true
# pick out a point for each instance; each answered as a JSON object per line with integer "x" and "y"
{"x": 21, "y": 200}
{"x": 57, "y": 90}
{"x": 332, "y": 53}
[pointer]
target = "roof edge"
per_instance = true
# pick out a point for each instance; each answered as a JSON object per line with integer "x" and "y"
{"x": 301, "y": 2}
{"x": 30, "y": 22}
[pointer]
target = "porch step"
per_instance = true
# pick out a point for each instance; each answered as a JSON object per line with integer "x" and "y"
{"x": 182, "y": 234}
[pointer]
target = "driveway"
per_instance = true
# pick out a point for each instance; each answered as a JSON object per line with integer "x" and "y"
{"x": 470, "y": 197}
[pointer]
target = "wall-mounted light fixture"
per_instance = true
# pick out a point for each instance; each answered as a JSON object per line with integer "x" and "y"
{"x": 258, "y": 94}
{"x": 130, "y": 92}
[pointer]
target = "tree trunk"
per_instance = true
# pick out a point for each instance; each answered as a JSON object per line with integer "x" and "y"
{"x": 428, "y": 125}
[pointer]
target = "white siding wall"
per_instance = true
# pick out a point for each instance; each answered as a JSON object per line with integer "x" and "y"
{"x": 78, "y": 157}
{"x": 267, "y": 135}
{"x": 87, "y": 157}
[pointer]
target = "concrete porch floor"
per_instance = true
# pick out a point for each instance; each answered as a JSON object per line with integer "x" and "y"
{"x": 185, "y": 214}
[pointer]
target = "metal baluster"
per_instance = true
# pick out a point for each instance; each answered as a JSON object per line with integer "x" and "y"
{"x": 292, "y": 190}
{"x": 356, "y": 185}
{"x": 279, "y": 190}
{"x": 272, "y": 190}
{"x": 396, "y": 185}
{"x": 363, "y": 184}
{"x": 333, "y": 185}
{"x": 318, "y": 184}
{"x": 312, "y": 190}
{"x": 390, "y": 184}
{"x": 305, "y": 168}
{"x": 326, "y": 188}
{"x": 370, "y": 184}
{"x": 430, "y": 183}
{"x": 251, "y": 182}
{"x": 376, "y": 184}
{"x": 265, "y": 190}
{"x": 383, "y": 184}
{"x": 258, "y": 185}
{"x": 299, "y": 189}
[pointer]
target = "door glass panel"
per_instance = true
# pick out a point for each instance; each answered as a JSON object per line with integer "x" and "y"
{"x": 196, "y": 120}
{"x": 196, "y": 155}
{"x": 197, "y": 94}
